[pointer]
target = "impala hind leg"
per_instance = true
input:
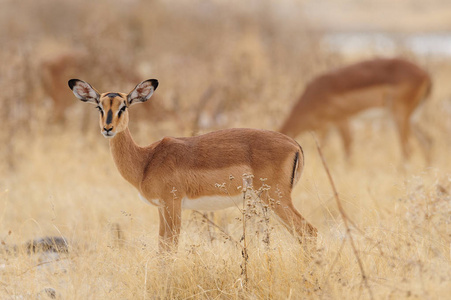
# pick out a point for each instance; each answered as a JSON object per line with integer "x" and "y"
{"x": 402, "y": 119}
{"x": 424, "y": 140}
{"x": 345, "y": 133}
{"x": 294, "y": 222}
{"x": 402, "y": 112}
{"x": 170, "y": 223}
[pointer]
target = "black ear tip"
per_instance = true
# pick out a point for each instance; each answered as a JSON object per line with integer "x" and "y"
{"x": 72, "y": 83}
{"x": 154, "y": 83}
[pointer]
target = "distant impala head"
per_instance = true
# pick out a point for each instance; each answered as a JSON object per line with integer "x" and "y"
{"x": 113, "y": 106}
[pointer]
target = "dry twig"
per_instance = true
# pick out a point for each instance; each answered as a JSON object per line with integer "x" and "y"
{"x": 346, "y": 220}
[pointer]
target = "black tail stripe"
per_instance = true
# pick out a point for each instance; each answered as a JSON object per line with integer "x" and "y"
{"x": 296, "y": 158}
{"x": 302, "y": 151}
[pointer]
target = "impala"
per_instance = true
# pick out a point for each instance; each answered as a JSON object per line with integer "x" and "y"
{"x": 332, "y": 98}
{"x": 184, "y": 173}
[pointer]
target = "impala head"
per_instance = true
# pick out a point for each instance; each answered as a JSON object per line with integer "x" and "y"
{"x": 113, "y": 107}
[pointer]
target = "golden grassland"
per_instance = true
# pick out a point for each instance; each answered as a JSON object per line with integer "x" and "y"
{"x": 58, "y": 179}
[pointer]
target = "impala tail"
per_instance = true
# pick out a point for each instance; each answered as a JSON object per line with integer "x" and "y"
{"x": 298, "y": 166}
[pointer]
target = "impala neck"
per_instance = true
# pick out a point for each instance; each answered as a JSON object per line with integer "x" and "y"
{"x": 128, "y": 157}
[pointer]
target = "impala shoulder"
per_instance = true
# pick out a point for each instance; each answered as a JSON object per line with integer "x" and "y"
{"x": 169, "y": 142}
{"x": 167, "y": 148}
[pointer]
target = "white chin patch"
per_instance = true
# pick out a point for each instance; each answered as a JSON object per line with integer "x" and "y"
{"x": 108, "y": 135}
{"x": 210, "y": 203}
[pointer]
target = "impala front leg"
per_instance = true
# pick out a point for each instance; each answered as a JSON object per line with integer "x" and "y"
{"x": 170, "y": 223}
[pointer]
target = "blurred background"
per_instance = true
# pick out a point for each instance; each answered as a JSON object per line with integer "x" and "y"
{"x": 220, "y": 64}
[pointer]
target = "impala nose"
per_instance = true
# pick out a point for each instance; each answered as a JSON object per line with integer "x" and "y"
{"x": 108, "y": 132}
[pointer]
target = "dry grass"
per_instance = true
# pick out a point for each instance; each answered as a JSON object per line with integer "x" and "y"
{"x": 58, "y": 180}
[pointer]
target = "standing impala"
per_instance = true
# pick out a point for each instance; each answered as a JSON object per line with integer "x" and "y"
{"x": 183, "y": 173}
{"x": 334, "y": 97}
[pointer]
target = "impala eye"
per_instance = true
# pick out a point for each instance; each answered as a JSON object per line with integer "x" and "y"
{"x": 121, "y": 111}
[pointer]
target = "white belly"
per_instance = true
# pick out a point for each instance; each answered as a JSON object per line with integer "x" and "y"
{"x": 151, "y": 201}
{"x": 210, "y": 203}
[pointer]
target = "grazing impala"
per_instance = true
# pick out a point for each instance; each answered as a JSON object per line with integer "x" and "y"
{"x": 180, "y": 173}
{"x": 334, "y": 97}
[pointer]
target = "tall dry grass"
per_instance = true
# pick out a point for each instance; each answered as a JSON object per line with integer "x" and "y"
{"x": 59, "y": 180}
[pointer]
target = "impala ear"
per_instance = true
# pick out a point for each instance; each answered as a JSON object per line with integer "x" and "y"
{"x": 84, "y": 91}
{"x": 142, "y": 92}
